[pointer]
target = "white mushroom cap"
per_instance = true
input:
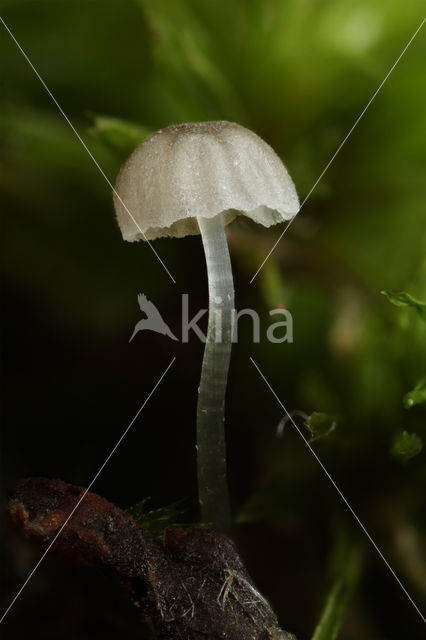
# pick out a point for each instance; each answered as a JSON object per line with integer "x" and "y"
{"x": 200, "y": 170}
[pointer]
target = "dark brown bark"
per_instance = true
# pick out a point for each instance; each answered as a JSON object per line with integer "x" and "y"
{"x": 192, "y": 585}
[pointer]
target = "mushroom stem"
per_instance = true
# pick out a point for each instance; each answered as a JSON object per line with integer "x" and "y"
{"x": 211, "y": 448}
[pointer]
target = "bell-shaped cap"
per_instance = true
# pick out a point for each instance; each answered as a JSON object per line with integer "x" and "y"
{"x": 201, "y": 170}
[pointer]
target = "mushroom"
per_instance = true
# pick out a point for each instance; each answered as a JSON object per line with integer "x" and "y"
{"x": 195, "y": 178}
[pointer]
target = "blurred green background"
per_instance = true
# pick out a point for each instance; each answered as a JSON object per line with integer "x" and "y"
{"x": 297, "y": 72}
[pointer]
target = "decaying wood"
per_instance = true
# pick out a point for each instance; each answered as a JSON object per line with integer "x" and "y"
{"x": 192, "y": 585}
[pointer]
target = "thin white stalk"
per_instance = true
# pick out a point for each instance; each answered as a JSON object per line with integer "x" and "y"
{"x": 211, "y": 449}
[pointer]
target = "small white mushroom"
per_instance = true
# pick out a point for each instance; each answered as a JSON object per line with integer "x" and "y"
{"x": 196, "y": 178}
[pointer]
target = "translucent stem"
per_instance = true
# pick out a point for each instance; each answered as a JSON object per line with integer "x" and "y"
{"x": 211, "y": 456}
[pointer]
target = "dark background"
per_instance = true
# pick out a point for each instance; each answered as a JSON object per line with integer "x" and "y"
{"x": 298, "y": 73}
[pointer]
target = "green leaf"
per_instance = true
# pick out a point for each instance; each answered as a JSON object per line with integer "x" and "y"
{"x": 156, "y": 520}
{"x": 272, "y": 285}
{"x": 186, "y": 54}
{"x": 122, "y": 136}
{"x": 320, "y": 424}
{"x": 406, "y": 445}
{"x": 416, "y": 396}
{"x": 404, "y": 299}
{"x": 347, "y": 570}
